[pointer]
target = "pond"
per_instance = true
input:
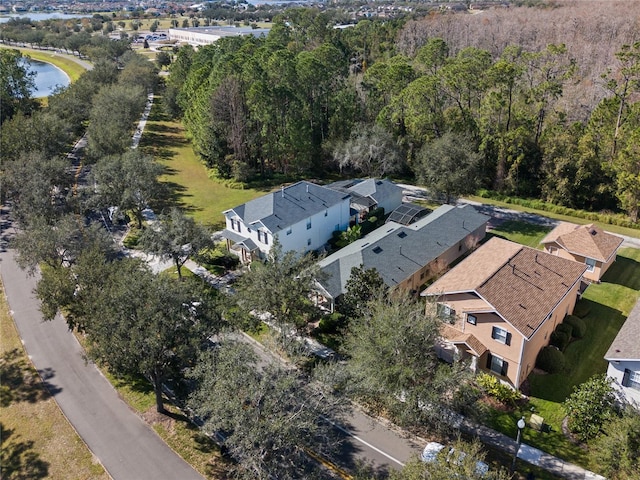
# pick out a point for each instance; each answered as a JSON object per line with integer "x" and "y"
{"x": 48, "y": 77}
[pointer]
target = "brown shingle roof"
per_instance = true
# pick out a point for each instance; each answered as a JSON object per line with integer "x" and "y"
{"x": 456, "y": 336}
{"x": 473, "y": 271}
{"x": 522, "y": 284}
{"x": 527, "y": 288}
{"x": 585, "y": 240}
{"x": 626, "y": 345}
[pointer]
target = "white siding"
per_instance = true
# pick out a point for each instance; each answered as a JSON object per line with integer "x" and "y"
{"x": 616, "y": 371}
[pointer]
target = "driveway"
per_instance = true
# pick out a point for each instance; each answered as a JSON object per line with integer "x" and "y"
{"x": 117, "y": 436}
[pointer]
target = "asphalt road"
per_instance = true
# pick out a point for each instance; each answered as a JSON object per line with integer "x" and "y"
{"x": 127, "y": 448}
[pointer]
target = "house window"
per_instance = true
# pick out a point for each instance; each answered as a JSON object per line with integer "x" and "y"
{"x": 326, "y": 212}
{"x": 289, "y": 231}
{"x": 262, "y": 237}
{"x": 591, "y": 264}
{"x": 447, "y": 313}
{"x": 309, "y": 224}
{"x": 631, "y": 379}
{"x": 308, "y": 242}
{"x": 235, "y": 225}
{"x": 500, "y": 335}
{"x": 472, "y": 319}
{"x": 497, "y": 364}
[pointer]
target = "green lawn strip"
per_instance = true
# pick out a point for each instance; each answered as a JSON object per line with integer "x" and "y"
{"x": 62, "y": 61}
{"x": 521, "y": 232}
{"x": 190, "y": 186}
{"x": 37, "y": 440}
{"x": 631, "y": 232}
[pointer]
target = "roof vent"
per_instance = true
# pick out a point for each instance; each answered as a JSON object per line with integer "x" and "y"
{"x": 377, "y": 250}
{"x": 402, "y": 234}
{"x": 593, "y": 232}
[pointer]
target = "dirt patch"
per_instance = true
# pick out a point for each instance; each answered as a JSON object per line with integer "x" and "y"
{"x": 152, "y": 417}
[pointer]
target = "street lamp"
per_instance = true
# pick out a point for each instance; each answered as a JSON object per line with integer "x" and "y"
{"x": 521, "y": 424}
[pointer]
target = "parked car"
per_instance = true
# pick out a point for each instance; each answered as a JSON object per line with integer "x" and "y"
{"x": 433, "y": 449}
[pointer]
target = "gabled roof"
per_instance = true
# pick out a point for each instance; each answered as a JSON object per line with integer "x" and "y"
{"x": 373, "y": 189}
{"x": 626, "y": 345}
{"x": 288, "y": 206}
{"x": 457, "y": 337}
{"x": 397, "y": 251}
{"x": 522, "y": 284}
{"x": 585, "y": 240}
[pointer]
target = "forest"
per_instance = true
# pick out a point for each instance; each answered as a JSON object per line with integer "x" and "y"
{"x": 538, "y": 102}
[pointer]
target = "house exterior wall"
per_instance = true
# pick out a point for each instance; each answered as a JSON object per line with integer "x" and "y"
{"x": 616, "y": 371}
{"x": 521, "y": 353}
{"x": 391, "y": 202}
{"x": 441, "y": 263}
{"x": 322, "y": 228}
{"x": 598, "y": 271}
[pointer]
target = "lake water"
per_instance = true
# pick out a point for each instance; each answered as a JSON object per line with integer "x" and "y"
{"x": 37, "y": 16}
{"x": 47, "y": 78}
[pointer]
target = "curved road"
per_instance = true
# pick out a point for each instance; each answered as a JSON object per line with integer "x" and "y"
{"x": 118, "y": 437}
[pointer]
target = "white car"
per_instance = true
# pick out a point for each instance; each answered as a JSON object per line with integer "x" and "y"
{"x": 432, "y": 449}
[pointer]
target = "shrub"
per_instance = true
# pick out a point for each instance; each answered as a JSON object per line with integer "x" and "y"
{"x": 579, "y": 327}
{"x": 565, "y": 328}
{"x": 560, "y": 339}
{"x": 331, "y": 323}
{"x": 582, "y": 309}
{"x": 494, "y": 387}
{"x": 551, "y": 360}
{"x": 132, "y": 238}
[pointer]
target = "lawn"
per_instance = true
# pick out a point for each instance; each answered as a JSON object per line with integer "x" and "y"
{"x": 190, "y": 186}
{"x": 631, "y": 232}
{"x": 608, "y": 304}
{"x": 37, "y": 441}
{"x": 521, "y": 232}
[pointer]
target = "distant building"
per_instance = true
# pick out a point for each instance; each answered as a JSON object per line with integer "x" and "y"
{"x": 197, "y": 36}
{"x": 369, "y": 194}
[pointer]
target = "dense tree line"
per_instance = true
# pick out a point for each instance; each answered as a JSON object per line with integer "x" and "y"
{"x": 421, "y": 99}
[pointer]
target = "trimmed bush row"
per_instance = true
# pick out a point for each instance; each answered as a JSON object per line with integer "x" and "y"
{"x": 611, "y": 219}
{"x": 550, "y": 359}
{"x": 579, "y": 328}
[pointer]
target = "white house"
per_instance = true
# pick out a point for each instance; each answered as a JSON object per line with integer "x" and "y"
{"x": 303, "y": 216}
{"x": 624, "y": 357}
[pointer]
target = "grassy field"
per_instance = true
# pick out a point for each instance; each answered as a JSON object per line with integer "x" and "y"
{"x": 521, "y": 232}
{"x": 62, "y": 61}
{"x": 187, "y": 178}
{"x": 631, "y": 232}
{"x": 37, "y": 441}
{"x": 608, "y": 304}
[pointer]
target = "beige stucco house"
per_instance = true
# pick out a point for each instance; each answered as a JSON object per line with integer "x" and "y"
{"x": 586, "y": 244}
{"x": 501, "y": 305}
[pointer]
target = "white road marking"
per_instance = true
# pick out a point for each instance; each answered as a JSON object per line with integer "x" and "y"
{"x": 344, "y": 430}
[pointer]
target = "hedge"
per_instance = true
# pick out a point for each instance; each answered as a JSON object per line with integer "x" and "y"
{"x": 565, "y": 328}
{"x": 551, "y": 360}
{"x": 560, "y": 339}
{"x": 579, "y": 327}
{"x": 611, "y": 219}
{"x": 582, "y": 309}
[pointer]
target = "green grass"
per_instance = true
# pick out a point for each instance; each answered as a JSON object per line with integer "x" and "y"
{"x": 609, "y": 304}
{"x": 62, "y": 61}
{"x": 37, "y": 440}
{"x": 631, "y": 232}
{"x": 521, "y": 232}
{"x": 190, "y": 186}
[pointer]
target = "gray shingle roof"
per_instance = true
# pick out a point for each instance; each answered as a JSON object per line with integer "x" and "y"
{"x": 288, "y": 206}
{"x": 626, "y": 345}
{"x": 398, "y": 251}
